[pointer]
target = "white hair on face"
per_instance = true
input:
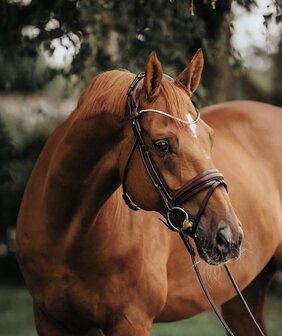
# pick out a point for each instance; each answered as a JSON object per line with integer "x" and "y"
{"x": 192, "y": 126}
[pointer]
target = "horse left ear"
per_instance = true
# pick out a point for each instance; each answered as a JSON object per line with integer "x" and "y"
{"x": 190, "y": 77}
{"x": 153, "y": 76}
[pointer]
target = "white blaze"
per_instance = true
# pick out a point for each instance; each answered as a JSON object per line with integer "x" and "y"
{"x": 193, "y": 127}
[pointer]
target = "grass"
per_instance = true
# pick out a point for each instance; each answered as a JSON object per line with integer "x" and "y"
{"x": 16, "y": 312}
{"x": 206, "y": 324}
{"x": 16, "y": 318}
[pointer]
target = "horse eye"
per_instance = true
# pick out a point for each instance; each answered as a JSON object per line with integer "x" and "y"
{"x": 162, "y": 145}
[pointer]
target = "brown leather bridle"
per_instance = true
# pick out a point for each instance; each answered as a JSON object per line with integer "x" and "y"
{"x": 177, "y": 218}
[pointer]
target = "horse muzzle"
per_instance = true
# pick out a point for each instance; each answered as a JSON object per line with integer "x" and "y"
{"x": 221, "y": 246}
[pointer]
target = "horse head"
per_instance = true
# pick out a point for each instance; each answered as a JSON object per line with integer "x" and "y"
{"x": 172, "y": 171}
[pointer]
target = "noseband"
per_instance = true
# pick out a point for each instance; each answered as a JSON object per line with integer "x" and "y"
{"x": 177, "y": 218}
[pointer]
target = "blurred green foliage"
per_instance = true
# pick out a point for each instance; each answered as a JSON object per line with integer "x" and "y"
{"x": 23, "y": 73}
{"x": 103, "y": 34}
{"x": 166, "y": 26}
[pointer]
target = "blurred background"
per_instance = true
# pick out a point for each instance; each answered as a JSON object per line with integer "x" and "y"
{"x": 50, "y": 49}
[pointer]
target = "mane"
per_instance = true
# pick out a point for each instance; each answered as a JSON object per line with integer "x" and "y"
{"x": 107, "y": 93}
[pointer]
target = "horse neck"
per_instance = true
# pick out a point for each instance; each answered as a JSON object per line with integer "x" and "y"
{"x": 83, "y": 171}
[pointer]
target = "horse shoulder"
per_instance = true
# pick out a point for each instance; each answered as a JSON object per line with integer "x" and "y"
{"x": 125, "y": 254}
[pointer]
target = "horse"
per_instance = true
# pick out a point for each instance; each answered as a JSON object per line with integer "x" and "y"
{"x": 90, "y": 262}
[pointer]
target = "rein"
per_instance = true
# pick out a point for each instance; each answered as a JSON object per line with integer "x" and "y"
{"x": 178, "y": 219}
{"x": 208, "y": 296}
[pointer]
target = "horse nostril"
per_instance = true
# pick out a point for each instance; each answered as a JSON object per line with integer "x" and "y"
{"x": 224, "y": 239}
{"x": 221, "y": 238}
{"x": 226, "y": 243}
{"x": 240, "y": 239}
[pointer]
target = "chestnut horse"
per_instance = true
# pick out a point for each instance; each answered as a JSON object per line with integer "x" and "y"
{"x": 91, "y": 262}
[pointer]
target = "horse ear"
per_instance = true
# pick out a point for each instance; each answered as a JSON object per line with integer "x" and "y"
{"x": 153, "y": 76}
{"x": 190, "y": 77}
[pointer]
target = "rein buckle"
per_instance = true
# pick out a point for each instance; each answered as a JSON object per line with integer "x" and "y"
{"x": 178, "y": 219}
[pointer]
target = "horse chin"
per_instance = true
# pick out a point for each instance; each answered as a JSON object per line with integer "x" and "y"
{"x": 212, "y": 256}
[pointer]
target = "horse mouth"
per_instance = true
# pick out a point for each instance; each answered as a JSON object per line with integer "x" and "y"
{"x": 212, "y": 255}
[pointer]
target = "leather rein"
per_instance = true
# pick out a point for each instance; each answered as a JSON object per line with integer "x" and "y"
{"x": 177, "y": 218}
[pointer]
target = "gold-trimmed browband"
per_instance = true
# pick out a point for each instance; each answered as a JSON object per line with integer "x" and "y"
{"x": 136, "y": 114}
